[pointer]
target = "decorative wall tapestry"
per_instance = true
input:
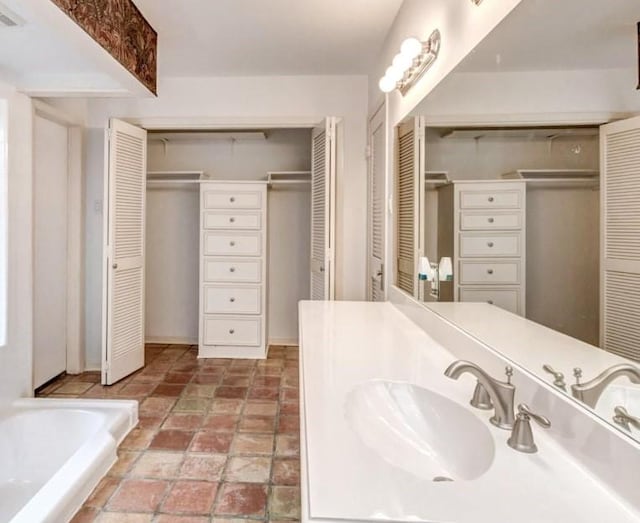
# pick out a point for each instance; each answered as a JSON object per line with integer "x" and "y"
{"x": 119, "y": 27}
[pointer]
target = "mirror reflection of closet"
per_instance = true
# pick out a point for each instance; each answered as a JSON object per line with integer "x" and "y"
{"x": 173, "y": 214}
{"x": 559, "y": 167}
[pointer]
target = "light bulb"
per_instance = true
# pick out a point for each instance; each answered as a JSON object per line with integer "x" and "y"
{"x": 394, "y": 73}
{"x": 402, "y": 62}
{"x": 411, "y": 48}
{"x": 386, "y": 84}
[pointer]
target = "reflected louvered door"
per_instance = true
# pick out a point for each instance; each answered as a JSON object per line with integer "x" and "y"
{"x": 125, "y": 188}
{"x": 409, "y": 159}
{"x": 620, "y": 245}
{"x": 376, "y": 206}
{"x": 323, "y": 173}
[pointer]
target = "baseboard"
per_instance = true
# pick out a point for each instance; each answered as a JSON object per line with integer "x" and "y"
{"x": 220, "y": 351}
{"x": 284, "y": 341}
{"x": 171, "y": 340}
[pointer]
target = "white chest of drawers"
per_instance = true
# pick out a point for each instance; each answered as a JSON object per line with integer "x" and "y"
{"x": 233, "y": 245}
{"x": 482, "y": 227}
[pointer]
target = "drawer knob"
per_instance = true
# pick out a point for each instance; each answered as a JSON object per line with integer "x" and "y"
{"x": 491, "y": 220}
{"x": 489, "y": 271}
{"x": 232, "y": 269}
{"x": 232, "y": 300}
{"x": 490, "y": 302}
{"x": 231, "y": 220}
{"x": 232, "y": 244}
{"x": 232, "y": 331}
{"x": 489, "y": 244}
{"x": 232, "y": 199}
{"x": 491, "y": 198}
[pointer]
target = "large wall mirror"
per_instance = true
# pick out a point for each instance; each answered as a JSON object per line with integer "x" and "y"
{"x": 518, "y": 185}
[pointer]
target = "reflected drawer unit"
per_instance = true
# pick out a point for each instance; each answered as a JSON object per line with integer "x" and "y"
{"x": 482, "y": 227}
{"x": 233, "y": 244}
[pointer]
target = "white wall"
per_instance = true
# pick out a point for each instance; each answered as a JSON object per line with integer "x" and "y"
{"x": 249, "y": 100}
{"x": 173, "y": 229}
{"x": 16, "y": 356}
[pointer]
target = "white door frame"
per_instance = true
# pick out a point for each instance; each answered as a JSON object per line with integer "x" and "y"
{"x": 75, "y": 234}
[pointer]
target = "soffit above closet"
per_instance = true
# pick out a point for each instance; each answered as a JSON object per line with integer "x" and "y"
{"x": 274, "y": 37}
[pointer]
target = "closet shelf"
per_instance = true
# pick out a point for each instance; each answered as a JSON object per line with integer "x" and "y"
{"x": 288, "y": 177}
{"x": 436, "y": 178}
{"x": 175, "y": 177}
{"x": 555, "y": 176}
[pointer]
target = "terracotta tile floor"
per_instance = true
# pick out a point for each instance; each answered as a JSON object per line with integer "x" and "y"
{"x": 217, "y": 440}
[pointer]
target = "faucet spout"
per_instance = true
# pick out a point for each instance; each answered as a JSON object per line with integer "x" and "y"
{"x": 589, "y": 393}
{"x": 502, "y": 394}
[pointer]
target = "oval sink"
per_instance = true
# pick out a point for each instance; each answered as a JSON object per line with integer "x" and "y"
{"x": 420, "y": 431}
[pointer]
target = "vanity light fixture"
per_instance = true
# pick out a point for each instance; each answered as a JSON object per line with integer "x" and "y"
{"x": 408, "y": 66}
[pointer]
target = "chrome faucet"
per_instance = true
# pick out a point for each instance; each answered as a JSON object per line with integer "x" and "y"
{"x": 522, "y": 436}
{"x": 501, "y": 393}
{"x": 589, "y": 393}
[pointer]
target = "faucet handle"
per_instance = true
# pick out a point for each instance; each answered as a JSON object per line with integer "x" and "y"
{"x": 523, "y": 409}
{"x": 522, "y": 436}
{"x": 577, "y": 373}
{"x": 508, "y": 370}
{"x": 558, "y": 377}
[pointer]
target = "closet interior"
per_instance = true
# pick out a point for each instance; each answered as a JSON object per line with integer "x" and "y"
{"x": 517, "y": 210}
{"x": 228, "y": 220}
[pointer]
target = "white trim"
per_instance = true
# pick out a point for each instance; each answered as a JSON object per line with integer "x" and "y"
{"x": 289, "y": 342}
{"x": 54, "y": 114}
{"x": 229, "y": 122}
{"x": 170, "y": 340}
{"x": 524, "y": 119}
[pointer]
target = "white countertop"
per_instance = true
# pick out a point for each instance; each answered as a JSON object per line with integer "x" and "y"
{"x": 344, "y": 344}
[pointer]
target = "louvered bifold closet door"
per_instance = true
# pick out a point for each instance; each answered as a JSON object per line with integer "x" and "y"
{"x": 408, "y": 162}
{"x": 620, "y": 267}
{"x": 377, "y": 205}
{"x": 124, "y": 307}
{"x": 323, "y": 173}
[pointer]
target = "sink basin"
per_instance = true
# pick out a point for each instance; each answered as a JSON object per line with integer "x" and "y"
{"x": 420, "y": 431}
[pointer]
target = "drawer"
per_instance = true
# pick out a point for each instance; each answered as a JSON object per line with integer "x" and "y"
{"x": 232, "y": 220}
{"x": 491, "y": 199}
{"x": 489, "y": 272}
{"x": 476, "y": 221}
{"x": 219, "y": 330}
{"x": 508, "y": 299}
{"x": 232, "y": 243}
{"x": 232, "y": 270}
{"x": 489, "y": 245}
{"x": 227, "y": 299}
{"x": 231, "y": 199}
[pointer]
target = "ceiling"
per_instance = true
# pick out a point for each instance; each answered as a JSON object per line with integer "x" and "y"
{"x": 268, "y": 37}
{"x": 547, "y": 35}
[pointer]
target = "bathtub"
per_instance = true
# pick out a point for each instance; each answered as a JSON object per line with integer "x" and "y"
{"x": 54, "y": 452}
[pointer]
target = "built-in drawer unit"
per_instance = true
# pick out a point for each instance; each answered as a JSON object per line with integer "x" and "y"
{"x": 232, "y": 220}
{"x": 505, "y": 298}
{"x": 229, "y": 299}
{"x": 477, "y": 245}
{"x": 488, "y": 221}
{"x": 237, "y": 330}
{"x": 231, "y": 243}
{"x": 490, "y": 197}
{"x": 238, "y": 270}
{"x": 232, "y": 197}
{"x": 233, "y": 232}
{"x": 489, "y": 272}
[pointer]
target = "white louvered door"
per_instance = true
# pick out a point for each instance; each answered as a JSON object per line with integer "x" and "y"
{"x": 323, "y": 190}
{"x": 125, "y": 190}
{"x": 408, "y": 181}
{"x": 376, "y": 291}
{"x": 620, "y": 238}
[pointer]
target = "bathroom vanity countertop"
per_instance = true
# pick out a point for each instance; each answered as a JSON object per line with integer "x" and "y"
{"x": 346, "y": 344}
